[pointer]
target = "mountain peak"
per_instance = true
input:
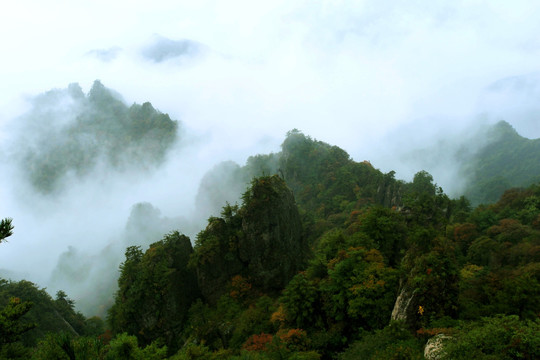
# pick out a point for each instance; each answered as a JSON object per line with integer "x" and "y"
{"x": 502, "y": 129}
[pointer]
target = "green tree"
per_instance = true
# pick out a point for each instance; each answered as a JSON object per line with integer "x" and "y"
{"x": 434, "y": 277}
{"x": 502, "y": 337}
{"x": 302, "y": 302}
{"x": 155, "y": 291}
{"x": 359, "y": 290}
{"x": 11, "y": 326}
{"x": 48, "y": 314}
{"x": 126, "y": 347}
{"x": 395, "y": 341}
{"x": 6, "y": 229}
{"x": 65, "y": 346}
{"x": 428, "y": 204}
{"x": 387, "y": 229}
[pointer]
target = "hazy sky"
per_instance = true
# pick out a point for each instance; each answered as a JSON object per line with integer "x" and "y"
{"x": 239, "y": 74}
{"x": 341, "y": 71}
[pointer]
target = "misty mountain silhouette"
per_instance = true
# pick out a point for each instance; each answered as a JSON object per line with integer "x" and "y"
{"x": 67, "y": 133}
{"x": 507, "y": 160}
{"x": 161, "y": 49}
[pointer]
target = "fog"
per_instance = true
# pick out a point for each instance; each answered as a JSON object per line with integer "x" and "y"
{"x": 400, "y": 84}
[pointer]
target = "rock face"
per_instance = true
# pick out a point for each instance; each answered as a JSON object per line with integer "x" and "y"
{"x": 273, "y": 245}
{"x": 405, "y": 306}
{"x": 261, "y": 241}
{"x": 216, "y": 256}
{"x": 434, "y": 347}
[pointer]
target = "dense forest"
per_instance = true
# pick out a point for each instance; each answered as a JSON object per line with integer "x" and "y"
{"x": 323, "y": 258}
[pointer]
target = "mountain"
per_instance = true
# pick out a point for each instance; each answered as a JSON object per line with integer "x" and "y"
{"x": 506, "y": 160}
{"x": 69, "y": 134}
{"x": 325, "y": 181}
{"x": 324, "y": 258}
{"x": 47, "y": 314}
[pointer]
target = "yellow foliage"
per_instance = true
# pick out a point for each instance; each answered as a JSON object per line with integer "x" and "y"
{"x": 469, "y": 271}
{"x": 374, "y": 256}
{"x": 279, "y": 315}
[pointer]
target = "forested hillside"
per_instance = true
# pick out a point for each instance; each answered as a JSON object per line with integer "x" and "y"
{"x": 70, "y": 134}
{"x": 322, "y": 257}
{"x": 507, "y": 160}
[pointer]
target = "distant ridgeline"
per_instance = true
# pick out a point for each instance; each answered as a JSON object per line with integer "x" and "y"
{"x": 327, "y": 184}
{"x": 69, "y": 133}
{"x": 507, "y": 160}
{"x": 322, "y": 177}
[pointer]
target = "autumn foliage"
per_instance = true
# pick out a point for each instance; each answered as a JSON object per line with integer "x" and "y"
{"x": 240, "y": 287}
{"x": 294, "y": 339}
{"x": 257, "y": 342}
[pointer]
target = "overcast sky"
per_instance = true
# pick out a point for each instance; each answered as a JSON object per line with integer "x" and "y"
{"x": 342, "y": 71}
{"x": 362, "y": 75}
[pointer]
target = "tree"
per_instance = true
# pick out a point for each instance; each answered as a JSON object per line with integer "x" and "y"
{"x": 125, "y": 347}
{"x": 155, "y": 291}
{"x": 423, "y": 183}
{"x": 388, "y": 229}
{"x": 434, "y": 275}
{"x": 360, "y": 289}
{"x": 11, "y": 326}
{"x": 6, "y": 229}
{"x": 300, "y": 299}
{"x": 395, "y": 341}
{"x": 428, "y": 204}
{"x": 500, "y": 337}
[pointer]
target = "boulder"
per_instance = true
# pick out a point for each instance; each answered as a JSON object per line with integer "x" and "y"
{"x": 434, "y": 349}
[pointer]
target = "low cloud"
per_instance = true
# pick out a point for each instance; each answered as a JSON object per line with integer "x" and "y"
{"x": 105, "y": 55}
{"x": 514, "y": 99}
{"x": 160, "y": 49}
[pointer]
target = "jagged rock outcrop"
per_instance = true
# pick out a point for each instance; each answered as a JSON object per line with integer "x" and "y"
{"x": 216, "y": 255}
{"x": 273, "y": 245}
{"x": 405, "y": 307}
{"x": 262, "y": 241}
